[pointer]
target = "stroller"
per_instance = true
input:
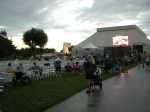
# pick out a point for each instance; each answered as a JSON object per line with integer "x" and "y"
{"x": 98, "y": 77}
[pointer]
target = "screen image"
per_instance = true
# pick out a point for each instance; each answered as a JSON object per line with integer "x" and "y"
{"x": 120, "y": 41}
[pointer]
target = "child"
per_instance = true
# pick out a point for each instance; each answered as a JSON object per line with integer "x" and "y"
{"x": 98, "y": 77}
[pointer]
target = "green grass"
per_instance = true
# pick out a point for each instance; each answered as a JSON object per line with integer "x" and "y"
{"x": 42, "y": 94}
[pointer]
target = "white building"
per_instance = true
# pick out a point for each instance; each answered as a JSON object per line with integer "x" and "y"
{"x": 130, "y": 35}
{"x": 66, "y": 47}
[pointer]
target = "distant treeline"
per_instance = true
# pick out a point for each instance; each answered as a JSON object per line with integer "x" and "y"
{"x": 9, "y": 51}
{"x": 28, "y": 52}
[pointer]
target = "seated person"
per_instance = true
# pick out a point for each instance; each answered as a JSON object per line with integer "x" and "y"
{"x": 36, "y": 69}
{"x": 19, "y": 72}
{"x": 68, "y": 68}
{"x": 76, "y": 67}
{"x": 10, "y": 69}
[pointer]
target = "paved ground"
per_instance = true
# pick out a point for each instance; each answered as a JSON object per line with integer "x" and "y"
{"x": 124, "y": 93}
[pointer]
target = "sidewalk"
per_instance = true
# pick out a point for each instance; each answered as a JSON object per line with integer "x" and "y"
{"x": 124, "y": 93}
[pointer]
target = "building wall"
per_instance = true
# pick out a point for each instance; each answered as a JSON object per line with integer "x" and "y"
{"x": 66, "y": 47}
{"x": 84, "y": 51}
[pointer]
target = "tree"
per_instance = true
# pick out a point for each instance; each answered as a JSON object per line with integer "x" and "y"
{"x": 35, "y": 37}
{"x": 7, "y": 49}
{"x": 3, "y": 33}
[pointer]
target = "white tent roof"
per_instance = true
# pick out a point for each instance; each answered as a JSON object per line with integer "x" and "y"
{"x": 104, "y": 36}
{"x": 89, "y": 45}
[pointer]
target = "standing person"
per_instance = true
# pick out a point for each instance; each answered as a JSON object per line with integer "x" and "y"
{"x": 90, "y": 68}
{"x": 57, "y": 64}
{"x": 139, "y": 59}
{"x": 147, "y": 60}
{"x": 143, "y": 59}
{"x": 98, "y": 77}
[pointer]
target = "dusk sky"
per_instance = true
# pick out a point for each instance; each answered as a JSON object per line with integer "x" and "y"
{"x": 70, "y": 20}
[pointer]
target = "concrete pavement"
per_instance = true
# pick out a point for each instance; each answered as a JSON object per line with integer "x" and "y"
{"x": 125, "y": 93}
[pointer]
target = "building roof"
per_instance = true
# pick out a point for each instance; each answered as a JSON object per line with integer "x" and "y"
{"x": 114, "y": 28}
{"x": 103, "y": 36}
{"x": 89, "y": 45}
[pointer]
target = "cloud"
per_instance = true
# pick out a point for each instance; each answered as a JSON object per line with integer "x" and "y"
{"x": 43, "y": 10}
{"x": 110, "y": 12}
{"x": 19, "y": 14}
{"x": 71, "y": 20}
{"x": 3, "y": 27}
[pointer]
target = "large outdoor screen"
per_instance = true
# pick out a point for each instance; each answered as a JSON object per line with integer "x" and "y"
{"x": 120, "y": 41}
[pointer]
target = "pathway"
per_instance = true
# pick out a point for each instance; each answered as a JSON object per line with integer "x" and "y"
{"x": 124, "y": 93}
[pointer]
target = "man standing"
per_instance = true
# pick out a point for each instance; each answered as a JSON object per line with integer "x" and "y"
{"x": 57, "y": 64}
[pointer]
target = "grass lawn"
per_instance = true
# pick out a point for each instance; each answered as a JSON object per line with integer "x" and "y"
{"x": 42, "y": 94}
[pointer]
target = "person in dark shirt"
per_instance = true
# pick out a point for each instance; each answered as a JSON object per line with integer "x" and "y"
{"x": 90, "y": 68}
{"x": 57, "y": 65}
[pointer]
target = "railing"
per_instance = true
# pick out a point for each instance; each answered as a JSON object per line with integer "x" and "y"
{"x": 2, "y": 85}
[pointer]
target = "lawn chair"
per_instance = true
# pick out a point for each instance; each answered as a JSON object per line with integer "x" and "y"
{"x": 37, "y": 74}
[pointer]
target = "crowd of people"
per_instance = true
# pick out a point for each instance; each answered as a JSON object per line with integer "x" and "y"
{"x": 92, "y": 66}
{"x": 111, "y": 63}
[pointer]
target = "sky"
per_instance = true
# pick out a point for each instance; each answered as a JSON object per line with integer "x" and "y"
{"x": 70, "y": 20}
